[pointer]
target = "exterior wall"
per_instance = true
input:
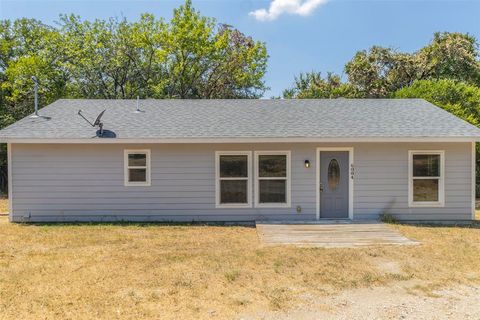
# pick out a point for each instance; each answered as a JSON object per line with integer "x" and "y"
{"x": 85, "y": 182}
{"x": 381, "y": 182}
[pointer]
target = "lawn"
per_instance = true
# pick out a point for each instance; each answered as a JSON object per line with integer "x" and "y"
{"x": 158, "y": 271}
{"x": 3, "y": 205}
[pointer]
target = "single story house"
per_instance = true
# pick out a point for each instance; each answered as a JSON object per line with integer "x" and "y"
{"x": 241, "y": 160}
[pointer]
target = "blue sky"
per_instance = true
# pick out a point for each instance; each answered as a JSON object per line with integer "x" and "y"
{"x": 301, "y": 35}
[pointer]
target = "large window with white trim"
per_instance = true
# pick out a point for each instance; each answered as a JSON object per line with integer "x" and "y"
{"x": 426, "y": 178}
{"x": 272, "y": 178}
{"x": 233, "y": 179}
{"x": 137, "y": 167}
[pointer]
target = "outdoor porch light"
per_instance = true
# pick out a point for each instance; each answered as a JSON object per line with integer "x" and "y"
{"x": 307, "y": 163}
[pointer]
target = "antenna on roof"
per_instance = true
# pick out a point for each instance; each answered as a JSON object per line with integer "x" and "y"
{"x": 97, "y": 121}
{"x": 35, "y": 90}
{"x": 137, "y": 110}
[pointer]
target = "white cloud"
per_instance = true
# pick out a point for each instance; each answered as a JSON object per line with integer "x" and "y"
{"x": 279, "y": 7}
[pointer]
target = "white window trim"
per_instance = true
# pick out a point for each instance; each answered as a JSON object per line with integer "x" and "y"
{"x": 217, "y": 179}
{"x": 147, "y": 183}
{"x": 288, "y": 204}
{"x": 441, "y": 180}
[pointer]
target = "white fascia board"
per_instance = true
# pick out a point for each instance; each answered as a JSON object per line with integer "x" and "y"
{"x": 241, "y": 140}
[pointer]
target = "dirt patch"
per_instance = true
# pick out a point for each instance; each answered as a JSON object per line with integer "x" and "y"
{"x": 399, "y": 301}
{"x": 387, "y": 266}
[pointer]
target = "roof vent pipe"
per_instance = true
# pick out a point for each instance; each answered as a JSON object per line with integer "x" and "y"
{"x": 35, "y": 89}
{"x": 137, "y": 110}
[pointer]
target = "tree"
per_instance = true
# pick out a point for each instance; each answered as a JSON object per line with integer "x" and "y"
{"x": 239, "y": 69}
{"x": 379, "y": 72}
{"x": 111, "y": 59}
{"x": 459, "y": 98}
{"x": 205, "y": 60}
{"x": 27, "y": 48}
{"x": 450, "y": 56}
{"x": 191, "y": 56}
{"x": 311, "y": 85}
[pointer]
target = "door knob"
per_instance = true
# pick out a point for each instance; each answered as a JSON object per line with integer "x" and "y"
{"x": 321, "y": 187}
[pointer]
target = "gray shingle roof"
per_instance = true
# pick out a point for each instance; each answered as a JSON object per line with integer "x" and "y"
{"x": 181, "y": 119}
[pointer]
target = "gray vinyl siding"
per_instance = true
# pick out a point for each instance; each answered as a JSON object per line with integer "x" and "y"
{"x": 381, "y": 182}
{"x": 85, "y": 182}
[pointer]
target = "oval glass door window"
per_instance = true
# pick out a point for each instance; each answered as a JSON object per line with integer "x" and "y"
{"x": 333, "y": 174}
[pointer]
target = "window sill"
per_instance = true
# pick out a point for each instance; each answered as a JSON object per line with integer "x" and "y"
{"x": 273, "y": 205}
{"x": 137, "y": 184}
{"x": 233, "y": 206}
{"x": 426, "y": 205}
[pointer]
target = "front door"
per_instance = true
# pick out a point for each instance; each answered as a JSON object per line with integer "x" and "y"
{"x": 334, "y": 184}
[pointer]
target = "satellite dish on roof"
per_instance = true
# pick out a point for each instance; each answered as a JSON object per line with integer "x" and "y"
{"x": 96, "y": 123}
{"x": 99, "y": 117}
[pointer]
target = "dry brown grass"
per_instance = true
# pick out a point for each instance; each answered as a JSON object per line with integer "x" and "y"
{"x": 3, "y": 205}
{"x": 159, "y": 271}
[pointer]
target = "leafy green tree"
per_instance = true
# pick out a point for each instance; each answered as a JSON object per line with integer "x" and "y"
{"x": 460, "y": 98}
{"x": 312, "y": 85}
{"x": 205, "y": 60}
{"x": 27, "y": 48}
{"x": 379, "y": 72}
{"x": 239, "y": 68}
{"x": 450, "y": 56}
{"x": 190, "y": 56}
{"x": 110, "y": 59}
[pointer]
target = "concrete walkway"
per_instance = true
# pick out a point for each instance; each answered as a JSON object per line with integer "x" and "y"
{"x": 330, "y": 234}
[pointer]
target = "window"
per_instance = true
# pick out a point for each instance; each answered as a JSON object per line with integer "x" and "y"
{"x": 137, "y": 167}
{"x": 233, "y": 179}
{"x": 426, "y": 178}
{"x": 333, "y": 174}
{"x": 272, "y": 178}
